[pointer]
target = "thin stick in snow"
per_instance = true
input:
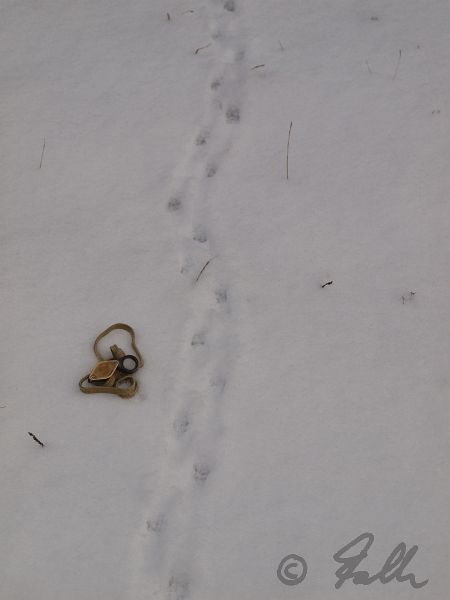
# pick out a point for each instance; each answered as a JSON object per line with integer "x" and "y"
{"x": 42, "y": 154}
{"x": 202, "y": 48}
{"x": 168, "y": 16}
{"x": 36, "y": 439}
{"x": 398, "y": 64}
{"x": 257, "y": 67}
{"x": 201, "y": 272}
{"x": 287, "y": 152}
{"x": 327, "y": 283}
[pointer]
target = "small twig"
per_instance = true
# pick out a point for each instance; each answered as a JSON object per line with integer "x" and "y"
{"x": 327, "y": 283}
{"x": 168, "y": 16}
{"x": 257, "y": 67}
{"x": 200, "y": 274}
{"x": 287, "y": 152}
{"x": 281, "y": 46}
{"x": 202, "y": 48}
{"x": 42, "y": 154}
{"x": 398, "y": 64}
{"x": 36, "y": 439}
{"x": 368, "y": 67}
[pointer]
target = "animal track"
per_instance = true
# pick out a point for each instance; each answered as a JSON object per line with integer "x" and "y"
{"x": 195, "y": 421}
{"x": 174, "y": 204}
{"x": 221, "y": 295}
{"x": 233, "y": 114}
{"x": 155, "y": 524}
{"x": 201, "y": 139}
{"x": 181, "y": 425}
{"x": 218, "y": 382}
{"x": 215, "y": 84}
{"x": 178, "y": 588}
{"x": 201, "y": 472}
{"x": 198, "y": 339}
{"x": 211, "y": 170}
{"x": 229, "y": 5}
{"x": 200, "y": 234}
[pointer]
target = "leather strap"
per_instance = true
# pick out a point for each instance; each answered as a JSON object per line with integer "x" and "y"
{"x": 123, "y": 392}
{"x": 112, "y": 328}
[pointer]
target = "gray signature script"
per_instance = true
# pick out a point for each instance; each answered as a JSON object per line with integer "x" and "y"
{"x": 392, "y": 569}
{"x": 292, "y": 569}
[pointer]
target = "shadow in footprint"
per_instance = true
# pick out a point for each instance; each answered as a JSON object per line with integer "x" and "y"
{"x": 215, "y": 84}
{"x": 211, "y": 170}
{"x": 181, "y": 425}
{"x": 155, "y": 524}
{"x": 200, "y": 234}
{"x": 233, "y": 114}
{"x": 198, "y": 339}
{"x": 178, "y": 587}
{"x": 230, "y": 5}
{"x": 221, "y": 295}
{"x": 218, "y": 383}
{"x": 201, "y": 139}
{"x": 174, "y": 204}
{"x": 201, "y": 472}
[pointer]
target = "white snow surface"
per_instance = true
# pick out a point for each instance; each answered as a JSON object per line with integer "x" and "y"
{"x": 274, "y": 416}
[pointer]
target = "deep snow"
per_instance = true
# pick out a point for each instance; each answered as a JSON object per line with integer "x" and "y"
{"x": 274, "y": 416}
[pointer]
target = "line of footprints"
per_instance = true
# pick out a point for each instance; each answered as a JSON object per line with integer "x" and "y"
{"x": 196, "y": 426}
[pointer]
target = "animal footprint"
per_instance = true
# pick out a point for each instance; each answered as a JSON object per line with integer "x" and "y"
{"x": 200, "y": 234}
{"x": 211, "y": 171}
{"x": 178, "y": 588}
{"x": 174, "y": 204}
{"x": 221, "y": 296}
{"x": 181, "y": 425}
{"x": 233, "y": 114}
{"x": 201, "y": 139}
{"x": 155, "y": 524}
{"x": 198, "y": 339}
{"x": 218, "y": 382}
{"x": 201, "y": 472}
{"x": 230, "y": 5}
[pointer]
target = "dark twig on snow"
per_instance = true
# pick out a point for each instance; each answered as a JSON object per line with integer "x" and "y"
{"x": 398, "y": 64}
{"x": 202, "y": 48}
{"x": 287, "y": 152}
{"x": 257, "y": 67}
{"x": 168, "y": 16}
{"x": 325, "y": 284}
{"x": 42, "y": 154}
{"x": 204, "y": 267}
{"x": 281, "y": 46}
{"x": 36, "y": 439}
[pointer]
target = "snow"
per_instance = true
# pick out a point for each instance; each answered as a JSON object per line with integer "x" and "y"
{"x": 274, "y": 416}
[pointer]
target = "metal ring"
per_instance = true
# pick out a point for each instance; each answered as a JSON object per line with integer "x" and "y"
{"x": 124, "y": 369}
